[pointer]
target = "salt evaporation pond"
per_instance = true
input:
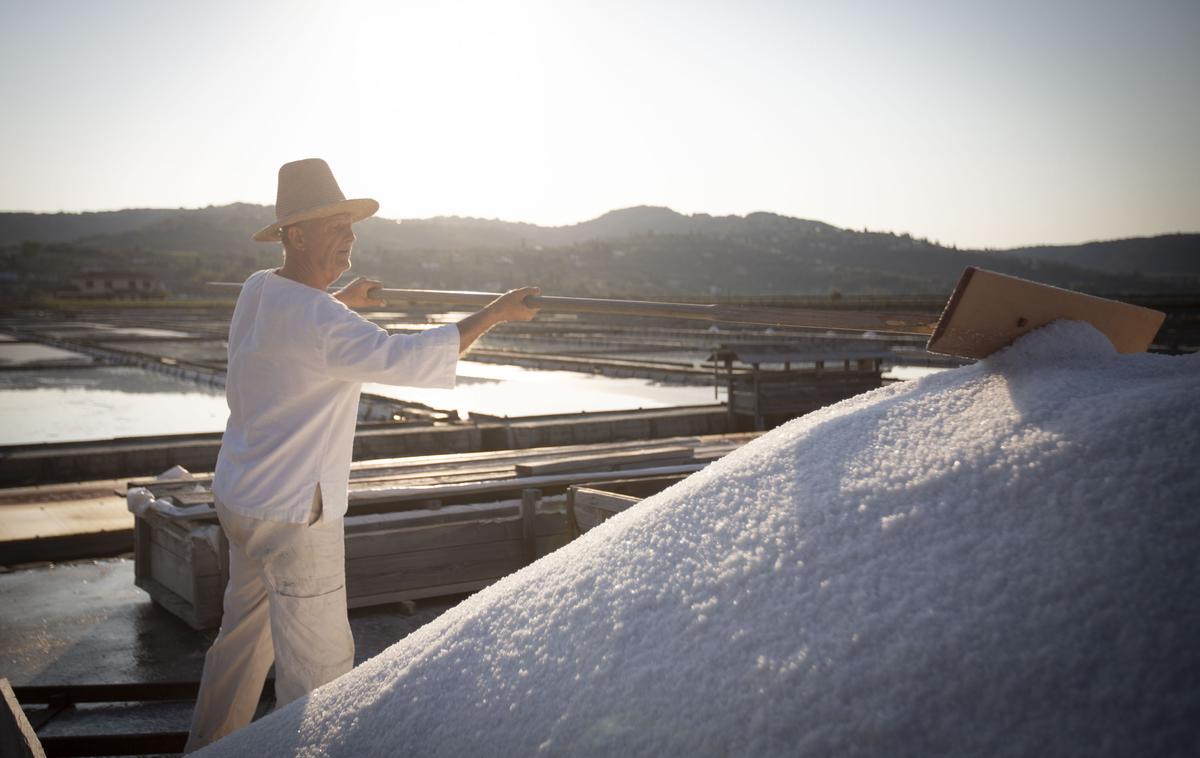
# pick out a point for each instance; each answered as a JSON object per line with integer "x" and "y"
{"x": 502, "y": 390}
{"x": 999, "y": 559}
{"x": 16, "y": 354}
{"x": 101, "y": 403}
{"x": 56, "y": 405}
{"x": 908, "y": 373}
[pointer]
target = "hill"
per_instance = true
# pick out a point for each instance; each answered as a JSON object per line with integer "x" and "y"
{"x": 634, "y": 251}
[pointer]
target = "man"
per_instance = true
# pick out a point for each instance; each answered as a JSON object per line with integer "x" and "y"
{"x": 297, "y": 357}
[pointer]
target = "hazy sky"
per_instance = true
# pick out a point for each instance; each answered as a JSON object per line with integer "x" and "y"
{"x": 975, "y": 123}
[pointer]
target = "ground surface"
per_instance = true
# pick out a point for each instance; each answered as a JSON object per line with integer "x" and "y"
{"x": 86, "y": 622}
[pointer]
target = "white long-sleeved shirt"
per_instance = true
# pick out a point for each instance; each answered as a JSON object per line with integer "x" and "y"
{"x": 297, "y": 360}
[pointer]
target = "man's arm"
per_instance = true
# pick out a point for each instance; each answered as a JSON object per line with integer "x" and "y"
{"x": 508, "y": 307}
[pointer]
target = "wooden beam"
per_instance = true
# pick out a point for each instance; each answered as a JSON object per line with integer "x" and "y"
{"x": 17, "y": 738}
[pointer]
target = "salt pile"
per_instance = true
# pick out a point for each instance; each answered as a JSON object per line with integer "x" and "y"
{"x": 1000, "y": 559}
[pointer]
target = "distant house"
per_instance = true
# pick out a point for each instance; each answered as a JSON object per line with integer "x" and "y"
{"x": 116, "y": 283}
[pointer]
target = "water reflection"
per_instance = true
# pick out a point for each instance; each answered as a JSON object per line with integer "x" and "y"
{"x": 514, "y": 391}
{"x": 53, "y": 405}
{"x": 21, "y": 353}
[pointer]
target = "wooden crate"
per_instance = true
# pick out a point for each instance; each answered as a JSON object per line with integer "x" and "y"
{"x": 417, "y": 527}
{"x": 408, "y": 555}
{"x": 183, "y": 565}
{"x": 591, "y": 504}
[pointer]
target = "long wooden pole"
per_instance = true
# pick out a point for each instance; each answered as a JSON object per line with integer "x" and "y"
{"x": 805, "y": 318}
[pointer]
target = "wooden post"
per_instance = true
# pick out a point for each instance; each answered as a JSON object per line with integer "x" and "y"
{"x": 572, "y": 524}
{"x": 729, "y": 393}
{"x": 17, "y": 737}
{"x": 529, "y": 503}
{"x": 760, "y": 423}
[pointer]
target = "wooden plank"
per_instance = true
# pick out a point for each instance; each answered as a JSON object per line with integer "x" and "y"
{"x": 422, "y": 518}
{"x": 485, "y": 528}
{"x": 593, "y": 507}
{"x": 410, "y": 568}
{"x": 607, "y": 461}
{"x": 482, "y": 463}
{"x": 366, "y": 601}
{"x": 572, "y": 519}
{"x": 17, "y": 738}
{"x": 203, "y": 554}
{"x": 408, "y": 571}
{"x": 170, "y": 537}
{"x": 172, "y": 572}
{"x": 208, "y": 597}
{"x": 641, "y": 487}
{"x": 383, "y": 499}
{"x": 388, "y": 542}
{"x": 610, "y": 502}
{"x": 529, "y": 504}
{"x": 513, "y": 485}
{"x": 551, "y": 542}
{"x": 153, "y": 743}
{"x": 66, "y": 547}
{"x": 142, "y": 540}
{"x": 440, "y": 474}
{"x": 43, "y": 518}
{"x": 176, "y": 605}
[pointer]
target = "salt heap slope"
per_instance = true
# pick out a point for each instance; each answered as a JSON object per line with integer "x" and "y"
{"x": 1000, "y": 559}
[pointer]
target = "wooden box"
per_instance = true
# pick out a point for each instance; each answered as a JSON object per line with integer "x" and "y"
{"x": 592, "y": 504}
{"x": 183, "y": 563}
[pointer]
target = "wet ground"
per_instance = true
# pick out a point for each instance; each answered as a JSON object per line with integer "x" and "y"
{"x": 86, "y": 622}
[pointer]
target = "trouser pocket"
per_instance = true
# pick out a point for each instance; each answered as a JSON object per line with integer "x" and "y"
{"x": 312, "y": 639}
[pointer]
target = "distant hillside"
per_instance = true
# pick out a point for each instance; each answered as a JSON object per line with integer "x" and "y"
{"x": 1170, "y": 254}
{"x": 68, "y": 227}
{"x": 637, "y": 251}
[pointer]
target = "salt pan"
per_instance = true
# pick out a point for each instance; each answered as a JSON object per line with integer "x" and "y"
{"x": 998, "y": 559}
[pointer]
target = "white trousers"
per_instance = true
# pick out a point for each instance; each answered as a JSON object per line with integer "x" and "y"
{"x": 286, "y": 602}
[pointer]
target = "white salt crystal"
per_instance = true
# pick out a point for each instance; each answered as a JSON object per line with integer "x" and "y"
{"x": 1036, "y": 591}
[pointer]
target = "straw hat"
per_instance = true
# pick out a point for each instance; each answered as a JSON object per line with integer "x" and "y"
{"x": 307, "y": 190}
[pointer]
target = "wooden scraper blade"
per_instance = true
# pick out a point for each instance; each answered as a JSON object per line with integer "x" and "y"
{"x": 989, "y": 311}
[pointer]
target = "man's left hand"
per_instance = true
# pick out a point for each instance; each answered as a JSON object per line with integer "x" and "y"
{"x": 358, "y": 294}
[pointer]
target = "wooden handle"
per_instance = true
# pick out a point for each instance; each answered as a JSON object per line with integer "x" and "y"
{"x": 549, "y": 303}
{"x": 799, "y": 318}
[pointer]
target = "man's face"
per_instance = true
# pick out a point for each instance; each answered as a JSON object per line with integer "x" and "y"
{"x": 327, "y": 244}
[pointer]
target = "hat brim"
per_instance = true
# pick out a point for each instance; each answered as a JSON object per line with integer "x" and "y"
{"x": 358, "y": 208}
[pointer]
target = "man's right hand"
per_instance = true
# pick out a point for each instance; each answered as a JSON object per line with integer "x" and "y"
{"x": 508, "y": 307}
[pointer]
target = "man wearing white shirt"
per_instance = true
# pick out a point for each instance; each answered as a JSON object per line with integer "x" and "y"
{"x": 297, "y": 359}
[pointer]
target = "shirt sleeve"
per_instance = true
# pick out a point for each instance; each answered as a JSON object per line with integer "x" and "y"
{"x": 357, "y": 350}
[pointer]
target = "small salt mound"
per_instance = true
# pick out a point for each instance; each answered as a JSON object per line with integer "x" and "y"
{"x": 999, "y": 559}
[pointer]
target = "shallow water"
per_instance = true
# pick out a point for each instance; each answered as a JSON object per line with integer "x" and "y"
{"x": 20, "y": 353}
{"x": 52, "y": 405}
{"x": 908, "y": 373}
{"x": 514, "y": 391}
